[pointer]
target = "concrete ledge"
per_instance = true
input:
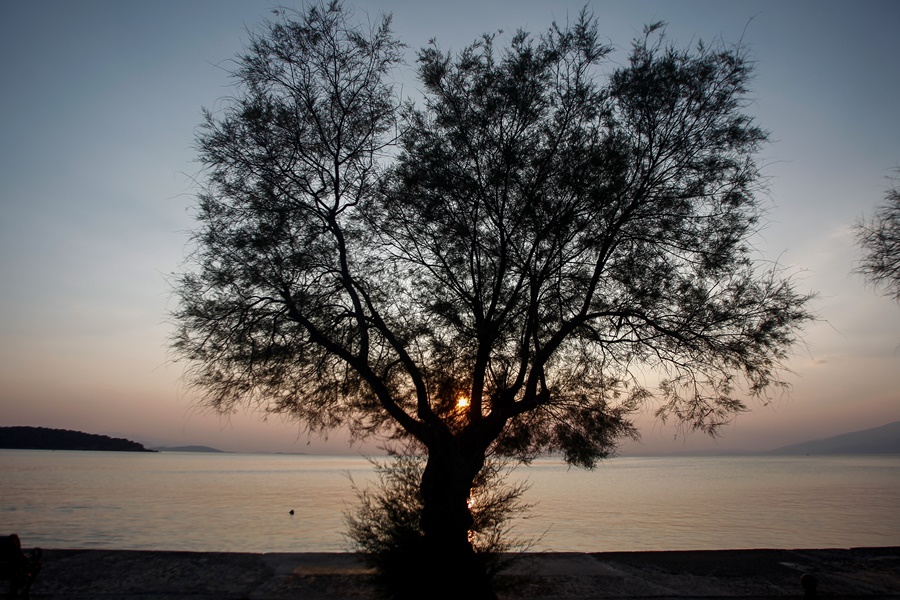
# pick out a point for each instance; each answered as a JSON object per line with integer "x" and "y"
{"x": 870, "y": 573}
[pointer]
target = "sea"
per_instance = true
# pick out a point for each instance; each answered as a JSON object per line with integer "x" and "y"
{"x": 242, "y": 502}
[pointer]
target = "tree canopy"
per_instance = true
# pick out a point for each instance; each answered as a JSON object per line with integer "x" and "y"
{"x": 879, "y": 239}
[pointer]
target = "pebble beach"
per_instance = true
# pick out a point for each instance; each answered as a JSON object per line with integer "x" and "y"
{"x": 870, "y": 573}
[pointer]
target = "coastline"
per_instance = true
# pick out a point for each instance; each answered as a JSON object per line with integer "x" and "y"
{"x": 871, "y": 573}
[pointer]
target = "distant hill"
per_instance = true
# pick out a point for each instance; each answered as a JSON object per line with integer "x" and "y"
{"x": 44, "y": 438}
{"x": 186, "y": 449}
{"x": 878, "y": 440}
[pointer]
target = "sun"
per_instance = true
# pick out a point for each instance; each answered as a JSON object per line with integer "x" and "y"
{"x": 462, "y": 402}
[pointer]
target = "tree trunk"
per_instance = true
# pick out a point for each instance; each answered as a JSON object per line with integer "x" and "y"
{"x": 454, "y": 569}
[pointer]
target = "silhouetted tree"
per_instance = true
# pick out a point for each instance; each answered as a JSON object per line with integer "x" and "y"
{"x": 503, "y": 268}
{"x": 880, "y": 242}
{"x": 386, "y": 526}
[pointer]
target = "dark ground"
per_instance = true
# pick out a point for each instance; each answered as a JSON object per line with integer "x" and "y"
{"x": 143, "y": 575}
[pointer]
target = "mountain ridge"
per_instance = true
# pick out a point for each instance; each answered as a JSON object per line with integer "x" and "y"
{"x": 884, "y": 439}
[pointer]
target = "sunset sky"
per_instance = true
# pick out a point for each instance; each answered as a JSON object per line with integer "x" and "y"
{"x": 98, "y": 112}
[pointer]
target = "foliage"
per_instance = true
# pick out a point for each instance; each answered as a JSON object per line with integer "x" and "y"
{"x": 540, "y": 243}
{"x": 386, "y": 526}
{"x": 879, "y": 239}
{"x": 279, "y": 251}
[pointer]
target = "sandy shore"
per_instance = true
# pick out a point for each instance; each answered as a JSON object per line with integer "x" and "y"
{"x": 148, "y": 575}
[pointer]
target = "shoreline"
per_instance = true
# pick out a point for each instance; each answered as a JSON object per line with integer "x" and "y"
{"x": 871, "y": 573}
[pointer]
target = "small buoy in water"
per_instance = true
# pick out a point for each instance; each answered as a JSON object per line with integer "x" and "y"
{"x": 292, "y": 511}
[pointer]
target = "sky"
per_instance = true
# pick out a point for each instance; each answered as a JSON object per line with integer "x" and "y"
{"x": 99, "y": 107}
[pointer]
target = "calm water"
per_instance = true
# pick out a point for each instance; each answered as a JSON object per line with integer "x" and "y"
{"x": 234, "y": 502}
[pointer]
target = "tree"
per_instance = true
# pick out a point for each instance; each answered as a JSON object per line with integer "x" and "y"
{"x": 501, "y": 269}
{"x": 386, "y": 528}
{"x": 879, "y": 239}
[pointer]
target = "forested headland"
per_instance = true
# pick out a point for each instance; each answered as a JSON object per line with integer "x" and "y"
{"x": 45, "y": 438}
